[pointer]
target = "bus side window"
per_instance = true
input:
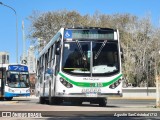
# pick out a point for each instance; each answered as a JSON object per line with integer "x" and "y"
{"x": 57, "y": 53}
{"x": 40, "y": 78}
{"x": 58, "y": 46}
{"x": 121, "y": 52}
{"x": 58, "y": 49}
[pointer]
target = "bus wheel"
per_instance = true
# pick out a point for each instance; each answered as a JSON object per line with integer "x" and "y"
{"x": 1, "y": 98}
{"x": 102, "y": 102}
{"x": 8, "y": 98}
{"x": 42, "y": 100}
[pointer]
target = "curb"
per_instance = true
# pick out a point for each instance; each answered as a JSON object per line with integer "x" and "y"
{"x": 133, "y": 98}
{"x": 7, "y": 102}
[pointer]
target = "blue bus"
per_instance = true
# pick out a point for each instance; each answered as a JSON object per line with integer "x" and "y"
{"x": 14, "y": 81}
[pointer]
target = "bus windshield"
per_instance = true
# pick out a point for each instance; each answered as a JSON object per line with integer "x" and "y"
{"x": 18, "y": 79}
{"x": 96, "y": 58}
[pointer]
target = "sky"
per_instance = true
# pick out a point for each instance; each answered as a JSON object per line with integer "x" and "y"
{"x": 24, "y": 8}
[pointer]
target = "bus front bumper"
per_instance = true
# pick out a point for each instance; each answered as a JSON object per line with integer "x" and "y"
{"x": 15, "y": 94}
{"x": 89, "y": 95}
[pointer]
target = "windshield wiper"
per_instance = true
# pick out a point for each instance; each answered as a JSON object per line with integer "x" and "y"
{"x": 81, "y": 51}
{"x": 100, "y": 49}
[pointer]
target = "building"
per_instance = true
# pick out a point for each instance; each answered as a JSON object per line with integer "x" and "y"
{"x": 4, "y": 58}
{"x": 31, "y": 62}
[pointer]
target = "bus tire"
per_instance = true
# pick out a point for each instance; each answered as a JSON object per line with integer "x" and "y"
{"x": 102, "y": 102}
{"x": 1, "y": 98}
{"x": 8, "y": 98}
{"x": 42, "y": 100}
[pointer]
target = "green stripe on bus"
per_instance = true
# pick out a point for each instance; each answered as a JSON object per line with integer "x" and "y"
{"x": 87, "y": 84}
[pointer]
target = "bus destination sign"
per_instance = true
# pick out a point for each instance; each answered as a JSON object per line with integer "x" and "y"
{"x": 17, "y": 68}
{"x": 89, "y": 34}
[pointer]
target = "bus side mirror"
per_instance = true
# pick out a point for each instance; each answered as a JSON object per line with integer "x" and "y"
{"x": 122, "y": 56}
{"x": 57, "y": 51}
{"x": 58, "y": 48}
{"x": 121, "y": 53}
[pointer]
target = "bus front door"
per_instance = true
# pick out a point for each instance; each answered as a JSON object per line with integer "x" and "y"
{"x": 2, "y": 83}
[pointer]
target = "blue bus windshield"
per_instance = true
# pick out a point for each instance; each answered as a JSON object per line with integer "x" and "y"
{"x": 18, "y": 79}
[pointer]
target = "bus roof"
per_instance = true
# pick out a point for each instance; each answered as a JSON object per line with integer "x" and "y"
{"x": 6, "y": 65}
{"x": 98, "y": 28}
{"x": 51, "y": 42}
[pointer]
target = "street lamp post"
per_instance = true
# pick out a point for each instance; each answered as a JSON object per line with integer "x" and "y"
{"x": 16, "y": 29}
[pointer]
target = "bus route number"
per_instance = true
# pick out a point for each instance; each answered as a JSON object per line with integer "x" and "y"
{"x": 17, "y": 68}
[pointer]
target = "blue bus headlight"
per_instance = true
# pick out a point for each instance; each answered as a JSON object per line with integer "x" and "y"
{"x": 65, "y": 83}
{"x": 115, "y": 84}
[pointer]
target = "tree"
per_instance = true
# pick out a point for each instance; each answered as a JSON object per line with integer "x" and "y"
{"x": 139, "y": 39}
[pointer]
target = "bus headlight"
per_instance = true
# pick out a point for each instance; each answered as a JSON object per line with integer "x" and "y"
{"x": 10, "y": 90}
{"x": 114, "y": 85}
{"x": 65, "y": 83}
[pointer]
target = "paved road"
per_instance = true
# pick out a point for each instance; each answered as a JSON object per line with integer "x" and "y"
{"x": 112, "y": 102}
{"x": 115, "y": 107}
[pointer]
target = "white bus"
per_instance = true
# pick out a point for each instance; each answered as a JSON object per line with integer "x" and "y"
{"x": 80, "y": 65}
{"x": 14, "y": 81}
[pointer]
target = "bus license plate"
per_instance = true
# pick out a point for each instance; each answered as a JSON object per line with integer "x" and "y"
{"x": 91, "y": 94}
